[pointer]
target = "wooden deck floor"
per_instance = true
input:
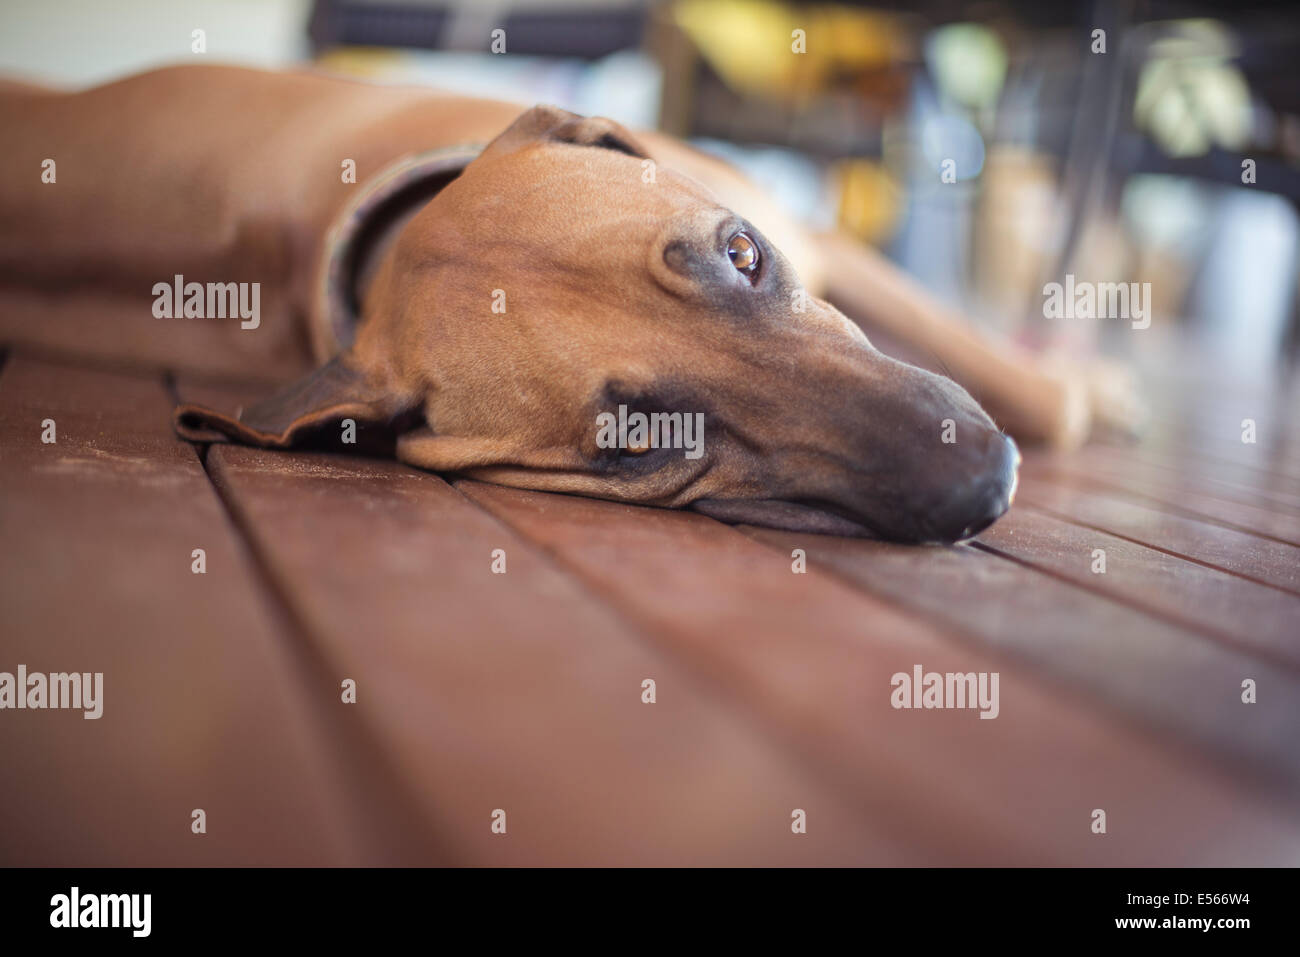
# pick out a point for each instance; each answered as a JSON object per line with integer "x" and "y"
{"x": 522, "y": 692}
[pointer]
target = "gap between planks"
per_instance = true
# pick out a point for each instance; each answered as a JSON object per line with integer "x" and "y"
{"x": 1251, "y": 518}
{"x": 918, "y": 637}
{"x": 748, "y": 752}
{"x": 399, "y": 834}
{"x": 623, "y": 612}
{"x": 1092, "y": 695}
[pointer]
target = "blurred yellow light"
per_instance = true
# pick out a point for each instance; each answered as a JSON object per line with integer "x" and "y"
{"x": 751, "y": 43}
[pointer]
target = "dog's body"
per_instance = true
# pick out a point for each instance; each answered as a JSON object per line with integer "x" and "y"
{"x": 230, "y": 175}
{"x": 226, "y": 173}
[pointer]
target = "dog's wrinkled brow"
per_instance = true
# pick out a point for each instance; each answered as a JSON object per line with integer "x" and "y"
{"x": 666, "y": 391}
{"x": 611, "y": 142}
{"x": 693, "y": 255}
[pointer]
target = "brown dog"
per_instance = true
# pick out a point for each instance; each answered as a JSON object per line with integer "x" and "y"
{"x": 484, "y": 306}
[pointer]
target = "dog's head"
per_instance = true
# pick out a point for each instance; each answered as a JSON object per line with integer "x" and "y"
{"x": 562, "y": 284}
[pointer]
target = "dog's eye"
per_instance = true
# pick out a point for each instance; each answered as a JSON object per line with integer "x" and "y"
{"x": 743, "y": 253}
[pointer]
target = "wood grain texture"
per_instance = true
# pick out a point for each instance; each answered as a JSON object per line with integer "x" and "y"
{"x": 203, "y": 706}
{"x": 1250, "y": 556}
{"x": 812, "y": 660}
{"x": 1177, "y": 491}
{"x": 522, "y": 691}
{"x": 1185, "y": 685}
{"x": 1253, "y": 618}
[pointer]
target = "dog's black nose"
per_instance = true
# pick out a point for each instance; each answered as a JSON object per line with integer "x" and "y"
{"x": 985, "y": 499}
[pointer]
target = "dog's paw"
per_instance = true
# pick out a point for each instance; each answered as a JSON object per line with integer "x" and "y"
{"x": 1111, "y": 391}
{"x": 1115, "y": 394}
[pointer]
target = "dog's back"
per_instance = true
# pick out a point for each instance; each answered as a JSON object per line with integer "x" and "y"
{"x": 220, "y": 174}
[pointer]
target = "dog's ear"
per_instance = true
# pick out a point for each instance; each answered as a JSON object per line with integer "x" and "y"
{"x": 554, "y": 125}
{"x": 309, "y": 413}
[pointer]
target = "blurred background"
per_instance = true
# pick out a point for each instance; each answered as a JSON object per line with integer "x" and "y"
{"x": 1106, "y": 140}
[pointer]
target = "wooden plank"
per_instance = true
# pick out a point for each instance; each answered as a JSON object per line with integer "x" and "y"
{"x": 521, "y": 691}
{"x": 813, "y": 658}
{"x": 1263, "y": 466}
{"x": 1175, "y": 493}
{"x": 1191, "y": 470}
{"x": 202, "y": 706}
{"x": 1273, "y": 456}
{"x": 1266, "y": 469}
{"x": 1183, "y": 685}
{"x": 1254, "y": 618}
{"x": 1259, "y": 559}
{"x": 1201, "y": 418}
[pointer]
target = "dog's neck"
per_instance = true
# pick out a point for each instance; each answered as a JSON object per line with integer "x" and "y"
{"x": 371, "y": 254}
{"x": 365, "y": 231}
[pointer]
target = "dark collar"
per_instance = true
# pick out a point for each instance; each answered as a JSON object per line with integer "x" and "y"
{"x": 413, "y": 179}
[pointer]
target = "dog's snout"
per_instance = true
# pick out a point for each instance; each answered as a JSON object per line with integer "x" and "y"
{"x": 901, "y": 454}
{"x": 978, "y": 504}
